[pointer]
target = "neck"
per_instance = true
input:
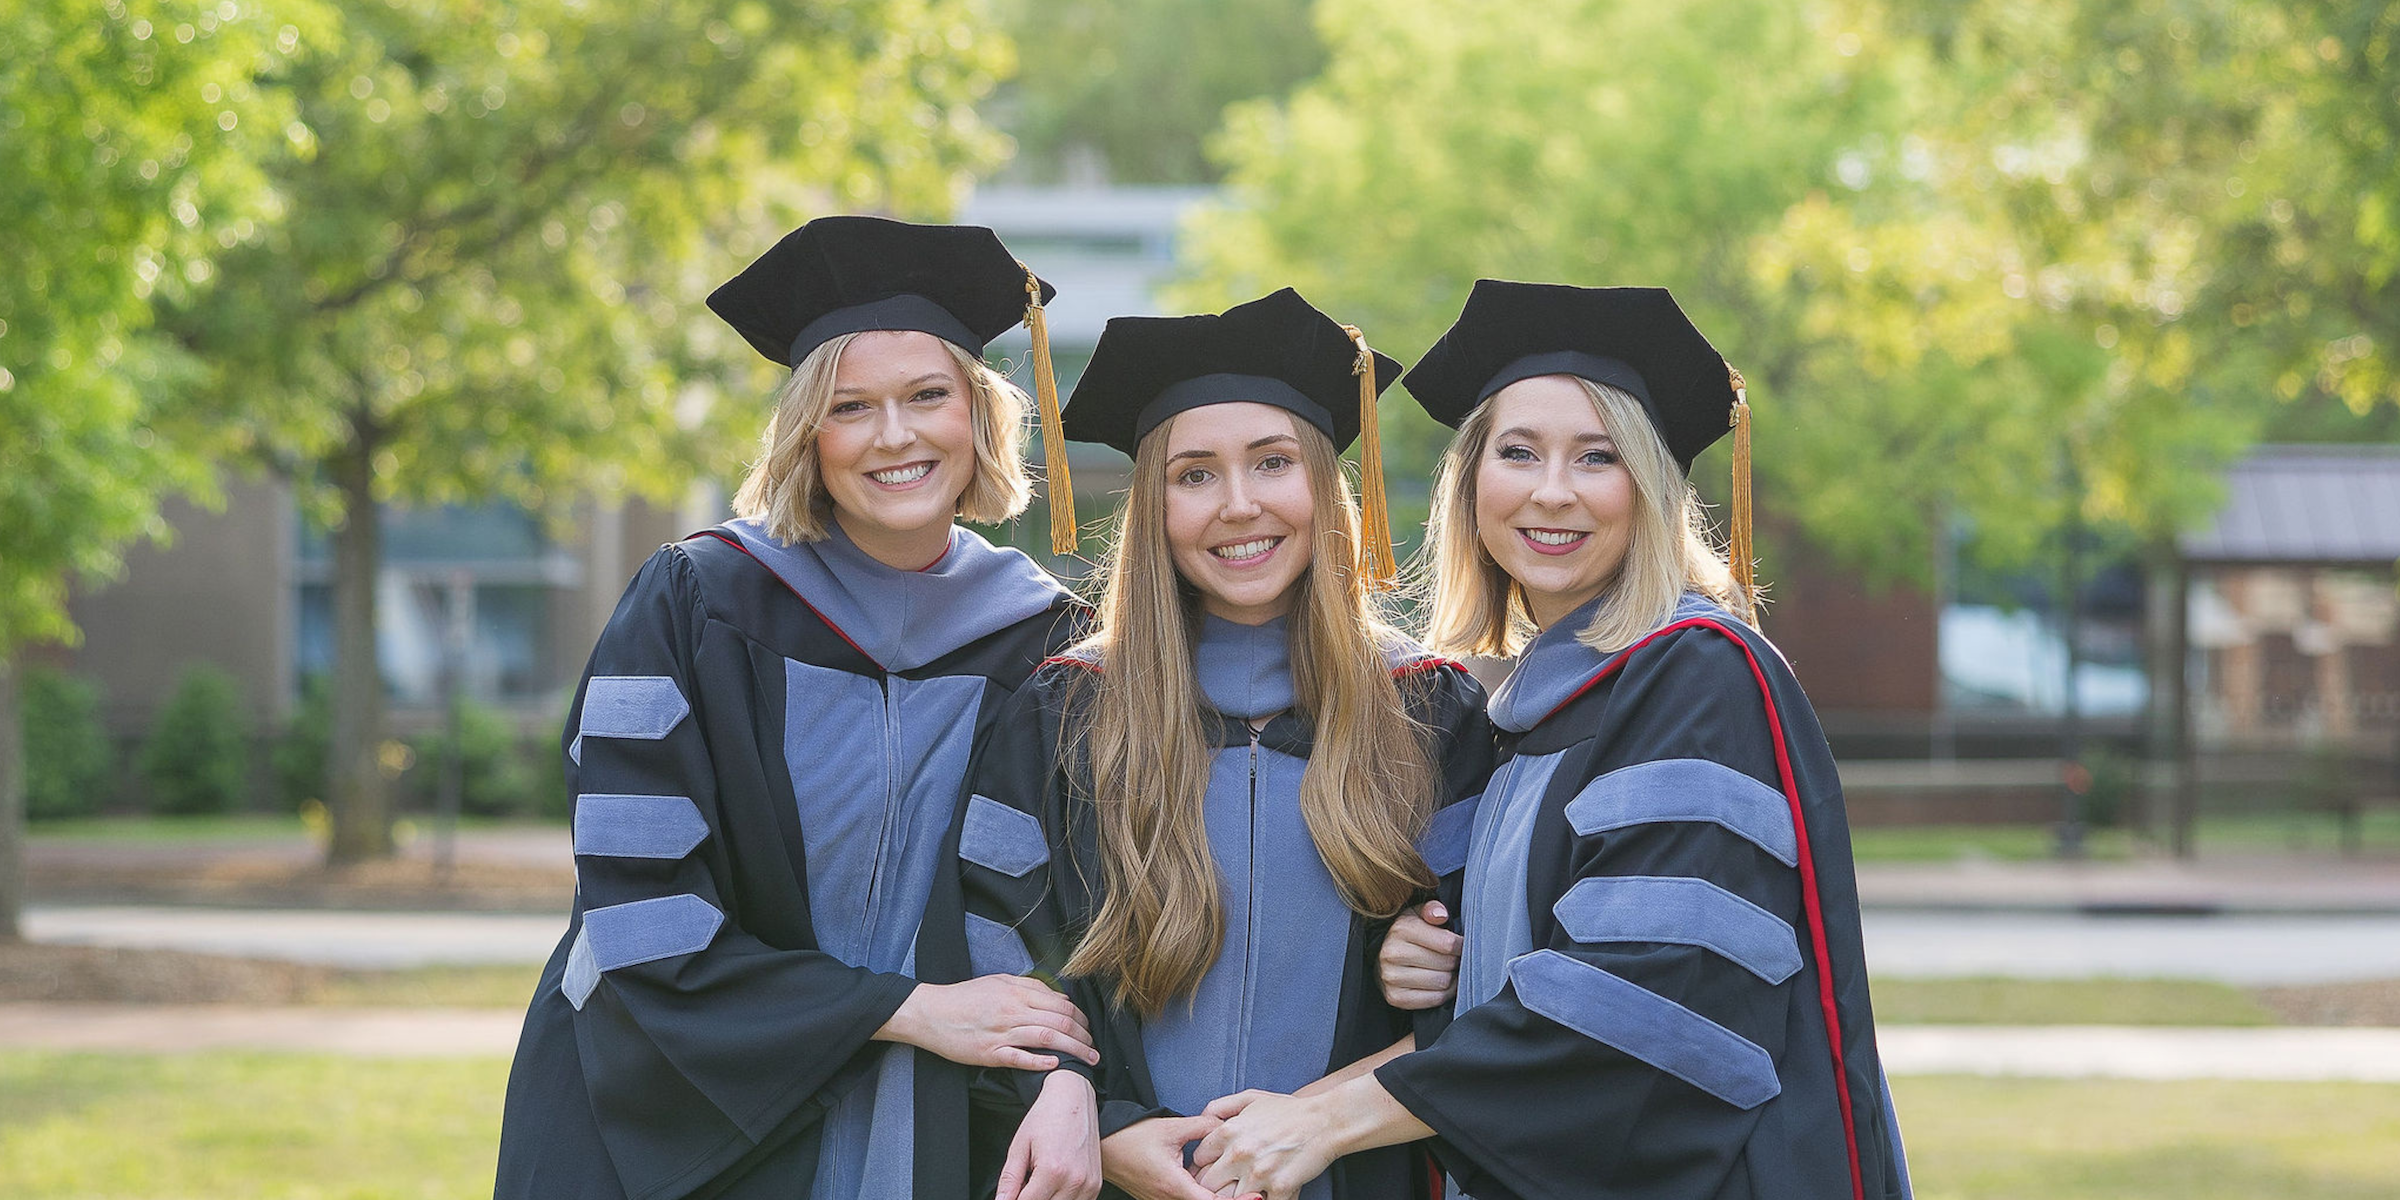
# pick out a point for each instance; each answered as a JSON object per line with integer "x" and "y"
{"x": 899, "y": 549}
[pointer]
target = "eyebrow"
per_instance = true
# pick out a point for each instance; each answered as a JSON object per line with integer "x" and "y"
{"x": 1529, "y": 435}
{"x": 935, "y": 376}
{"x": 1268, "y": 440}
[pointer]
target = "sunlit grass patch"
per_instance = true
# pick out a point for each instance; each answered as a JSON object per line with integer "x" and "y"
{"x": 256, "y": 1126}
{"x": 1990, "y": 1001}
{"x": 2041, "y": 1139}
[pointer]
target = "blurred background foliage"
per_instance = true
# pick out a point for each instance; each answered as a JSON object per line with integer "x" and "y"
{"x": 2010, "y": 268}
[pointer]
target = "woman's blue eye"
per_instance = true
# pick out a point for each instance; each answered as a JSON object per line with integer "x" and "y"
{"x": 850, "y": 406}
{"x": 1517, "y": 453}
{"x": 1599, "y": 458}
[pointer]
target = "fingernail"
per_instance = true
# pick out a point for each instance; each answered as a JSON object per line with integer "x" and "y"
{"x": 1435, "y": 912}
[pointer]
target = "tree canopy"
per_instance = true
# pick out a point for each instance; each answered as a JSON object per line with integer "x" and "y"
{"x": 2014, "y": 266}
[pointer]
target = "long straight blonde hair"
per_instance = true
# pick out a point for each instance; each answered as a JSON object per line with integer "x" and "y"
{"x": 786, "y": 487}
{"x": 1478, "y": 609}
{"x": 1368, "y": 788}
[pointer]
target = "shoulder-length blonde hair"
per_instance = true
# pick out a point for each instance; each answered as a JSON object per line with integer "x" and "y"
{"x": 1144, "y": 753}
{"x": 1478, "y": 609}
{"x": 786, "y": 490}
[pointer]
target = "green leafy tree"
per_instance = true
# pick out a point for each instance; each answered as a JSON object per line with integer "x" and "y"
{"x": 499, "y": 219}
{"x": 2023, "y": 268}
{"x": 1136, "y": 86}
{"x": 1447, "y": 142}
{"x": 130, "y": 131}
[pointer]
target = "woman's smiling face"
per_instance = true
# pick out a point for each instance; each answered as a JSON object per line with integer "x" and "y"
{"x": 1241, "y": 514}
{"x": 897, "y": 446}
{"x": 1553, "y": 505}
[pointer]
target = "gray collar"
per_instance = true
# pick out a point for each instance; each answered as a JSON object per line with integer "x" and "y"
{"x": 905, "y": 619}
{"x": 1554, "y": 666}
{"x": 1245, "y": 670}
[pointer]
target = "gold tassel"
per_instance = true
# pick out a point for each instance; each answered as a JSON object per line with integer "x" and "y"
{"x": 1375, "y": 506}
{"x": 1059, "y": 486}
{"x": 1741, "y": 550}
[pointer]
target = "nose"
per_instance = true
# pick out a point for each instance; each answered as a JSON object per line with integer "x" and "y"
{"x": 892, "y": 429}
{"x": 1552, "y": 491}
{"x": 1239, "y": 504}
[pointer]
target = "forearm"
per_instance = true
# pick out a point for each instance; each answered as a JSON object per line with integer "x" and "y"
{"x": 1364, "y": 1066}
{"x": 1364, "y": 1116}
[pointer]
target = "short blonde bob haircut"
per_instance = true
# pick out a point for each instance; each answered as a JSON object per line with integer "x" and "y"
{"x": 1478, "y": 609}
{"x": 786, "y": 490}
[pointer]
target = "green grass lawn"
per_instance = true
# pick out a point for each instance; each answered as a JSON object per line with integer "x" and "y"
{"x": 2039, "y": 1139}
{"x": 2276, "y": 833}
{"x": 309, "y": 1127}
{"x": 254, "y": 1126}
{"x": 2065, "y": 1002}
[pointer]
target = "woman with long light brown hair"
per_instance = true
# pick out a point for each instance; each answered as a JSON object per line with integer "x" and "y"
{"x": 1200, "y": 818}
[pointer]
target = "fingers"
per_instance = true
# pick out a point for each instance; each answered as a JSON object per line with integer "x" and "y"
{"x": 1013, "y": 1173}
{"x": 1223, "y": 1108}
{"x": 1022, "y": 1060}
{"x": 1434, "y": 912}
{"x": 1416, "y": 979}
{"x": 1420, "y": 945}
{"x": 1413, "y": 1001}
{"x": 1043, "y": 1037}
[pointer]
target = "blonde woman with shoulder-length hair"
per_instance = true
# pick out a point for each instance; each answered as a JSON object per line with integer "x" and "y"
{"x": 1226, "y": 783}
{"x": 1661, "y": 977}
{"x": 763, "y": 986}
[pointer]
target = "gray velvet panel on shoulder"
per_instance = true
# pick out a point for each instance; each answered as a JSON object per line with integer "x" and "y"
{"x": 1449, "y": 834}
{"x": 1499, "y": 922}
{"x": 1555, "y": 666}
{"x": 1688, "y": 789}
{"x": 617, "y": 826}
{"x": 905, "y": 619}
{"x": 996, "y": 949}
{"x": 1004, "y": 839}
{"x": 624, "y": 935}
{"x": 1680, "y": 911}
{"x": 1645, "y": 1025}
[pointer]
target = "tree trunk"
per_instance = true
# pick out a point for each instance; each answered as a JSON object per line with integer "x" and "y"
{"x": 357, "y": 798}
{"x": 12, "y": 805}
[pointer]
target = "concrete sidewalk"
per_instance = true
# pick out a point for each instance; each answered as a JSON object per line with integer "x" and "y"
{"x": 2323, "y": 885}
{"x": 2065, "y": 1051}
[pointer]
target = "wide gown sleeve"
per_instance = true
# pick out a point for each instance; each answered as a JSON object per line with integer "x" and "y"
{"x": 1629, "y": 1055}
{"x": 1030, "y": 884}
{"x": 697, "y": 1039}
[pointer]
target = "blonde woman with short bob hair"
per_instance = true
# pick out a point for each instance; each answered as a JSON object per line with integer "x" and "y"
{"x": 1660, "y": 986}
{"x": 1200, "y": 818}
{"x": 785, "y": 488}
{"x": 763, "y": 988}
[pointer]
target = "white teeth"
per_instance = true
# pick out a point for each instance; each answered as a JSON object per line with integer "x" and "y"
{"x": 1246, "y": 549}
{"x": 908, "y": 474}
{"x": 1550, "y": 537}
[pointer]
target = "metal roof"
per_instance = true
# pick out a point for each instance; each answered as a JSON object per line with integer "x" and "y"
{"x": 2306, "y": 504}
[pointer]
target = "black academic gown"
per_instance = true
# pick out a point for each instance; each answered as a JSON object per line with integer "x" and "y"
{"x": 1293, "y": 993}
{"x": 1663, "y": 991}
{"x": 768, "y": 752}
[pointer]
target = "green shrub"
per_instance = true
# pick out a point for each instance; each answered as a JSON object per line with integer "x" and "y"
{"x": 500, "y": 775}
{"x": 66, "y": 749}
{"x": 303, "y": 748}
{"x": 196, "y": 759}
